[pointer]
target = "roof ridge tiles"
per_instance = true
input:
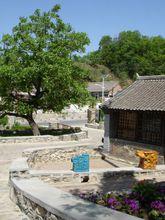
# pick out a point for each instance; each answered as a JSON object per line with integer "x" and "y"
{"x": 146, "y": 93}
{"x": 153, "y": 77}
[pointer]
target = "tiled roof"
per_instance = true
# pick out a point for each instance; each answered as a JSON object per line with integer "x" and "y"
{"x": 97, "y": 86}
{"x": 146, "y": 93}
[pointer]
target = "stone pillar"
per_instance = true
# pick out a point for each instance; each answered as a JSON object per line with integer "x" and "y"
{"x": 11, "y": 120}
{"x": 106, "y": 145}
{"x": 91, "y": 115}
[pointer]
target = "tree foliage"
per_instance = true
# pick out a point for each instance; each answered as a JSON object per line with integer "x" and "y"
{"x": 95, "y": 73}
{"x": 36, "y": 69}
{"x": 131, "y": 53}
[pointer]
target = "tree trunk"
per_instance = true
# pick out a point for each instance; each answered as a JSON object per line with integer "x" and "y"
{"x": 33, "y": 126}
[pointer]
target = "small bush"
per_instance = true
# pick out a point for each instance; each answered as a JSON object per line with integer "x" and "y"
{"x": 22, "y": 130}
{"x": 18, "y": 127}
{"x": 4, "y": 121}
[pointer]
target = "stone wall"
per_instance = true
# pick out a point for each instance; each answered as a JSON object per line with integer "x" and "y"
{"x": 109, "y": 179}
{"x": 50, "y": 117}
{"x": 58, "y": 154}
{"x": 31, "y": 209}
{"x": 43, "y": 202}
{"x": 114, "y": 179}
{"x": 45, "y": 138}
{"x": 91, "y": 115}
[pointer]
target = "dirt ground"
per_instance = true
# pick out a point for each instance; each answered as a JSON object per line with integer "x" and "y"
{"x": 127, "y": 151}
{"x": 67, "y": 165}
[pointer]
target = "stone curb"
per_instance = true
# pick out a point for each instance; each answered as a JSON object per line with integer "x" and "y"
{"x": 45, "y": 138}
{"x": 45, "y": 200}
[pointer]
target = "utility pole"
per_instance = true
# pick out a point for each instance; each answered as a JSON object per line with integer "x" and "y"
{"x": 103, "y": 87}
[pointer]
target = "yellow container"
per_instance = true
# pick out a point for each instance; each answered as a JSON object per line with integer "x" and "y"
{"x": 148, "y": 159}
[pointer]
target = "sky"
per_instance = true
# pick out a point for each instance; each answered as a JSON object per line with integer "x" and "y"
{"x": 95, "y": 17}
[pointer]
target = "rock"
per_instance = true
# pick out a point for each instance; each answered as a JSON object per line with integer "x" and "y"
{"x": 40, "y": 211}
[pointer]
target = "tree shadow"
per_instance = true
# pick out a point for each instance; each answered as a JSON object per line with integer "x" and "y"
{"x": 83, "y": 210}
{"x": 120, "y": 182}
{"x": 104, "y": 157}
{"x": 88, "y": 210}
{"x": 107, "y": 181}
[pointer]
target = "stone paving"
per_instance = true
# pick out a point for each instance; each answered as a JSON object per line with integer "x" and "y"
{"x": 9, "y": 152}
{"x": 8, "y": 210}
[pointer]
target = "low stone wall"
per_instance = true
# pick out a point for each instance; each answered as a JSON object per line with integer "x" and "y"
{"x": 61, "y": 126}
{"x": 45, "y": 138}
{"x": 114, "y": 179}
{"x": 120, "y": 178}
{"x": 58, "y": 154}
{"x": 43, "y": 202}
{"x": 50, "y": 117}
{"x": 31, "y": 209}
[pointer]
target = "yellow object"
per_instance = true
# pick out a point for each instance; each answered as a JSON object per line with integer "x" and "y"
{"x": 148, "y": 159}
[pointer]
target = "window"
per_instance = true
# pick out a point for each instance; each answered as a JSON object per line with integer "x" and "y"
{"x": 127, "y": 123}
{"x": 151, "y": 127}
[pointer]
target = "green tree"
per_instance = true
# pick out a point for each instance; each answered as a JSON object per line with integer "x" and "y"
{"x": 36, "y": 69}
{"x": 105, "y": 42}
{"x": 132, "y": 53}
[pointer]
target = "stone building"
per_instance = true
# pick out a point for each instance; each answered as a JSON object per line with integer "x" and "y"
{"x": 138, "y": 112}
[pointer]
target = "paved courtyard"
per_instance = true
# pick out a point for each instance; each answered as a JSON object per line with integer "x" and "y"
{"x": 9, "y": 152}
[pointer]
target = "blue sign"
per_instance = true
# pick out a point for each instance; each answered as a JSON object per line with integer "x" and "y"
{"x": 81, "y": 163}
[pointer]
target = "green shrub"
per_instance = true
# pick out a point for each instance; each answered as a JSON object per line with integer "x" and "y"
{"x": 146, "y": 200}
{"x": 18, "y": 127}
{"x": 4, "y": 121}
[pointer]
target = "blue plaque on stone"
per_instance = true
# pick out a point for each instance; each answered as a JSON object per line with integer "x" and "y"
{"x": 81, "y": 163}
